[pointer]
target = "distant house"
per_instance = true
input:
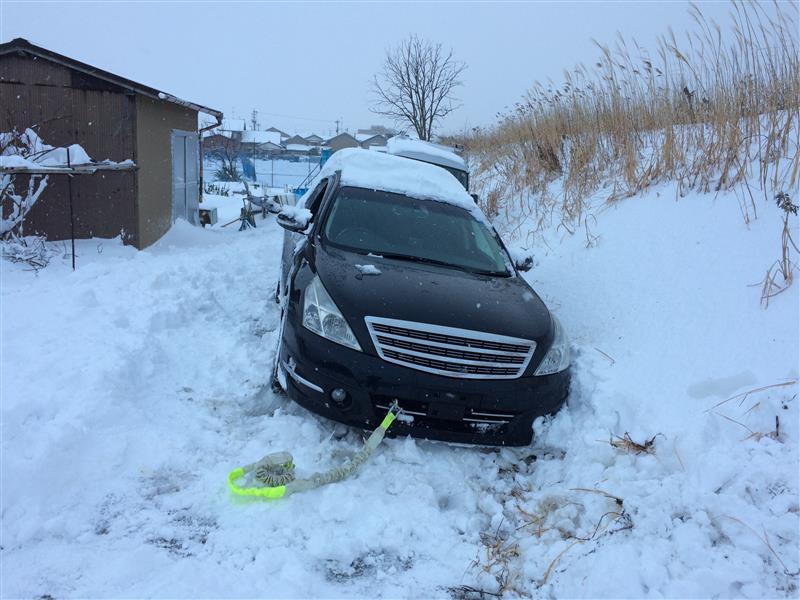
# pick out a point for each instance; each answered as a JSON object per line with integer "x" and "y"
{"x": 260, "y": 143}
{"x": 313, "y": 139}
{"x": 362, "y": 134}
{"x": 283, "y": 134}
{"x": 376, "y": 141}
{"x": 113, "y": 118}
{"x": 269, "y": 148}
{"x": 219, "y": 140}
{"x": 297, "y": 144}
{"x": 343, "y": 140}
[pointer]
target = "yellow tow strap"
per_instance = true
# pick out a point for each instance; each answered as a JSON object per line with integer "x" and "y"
{"x": 275, "y": 492}
{"x": 269, "y": 493}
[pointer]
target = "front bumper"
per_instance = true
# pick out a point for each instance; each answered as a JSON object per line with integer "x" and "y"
{"x": 491, "y": 412}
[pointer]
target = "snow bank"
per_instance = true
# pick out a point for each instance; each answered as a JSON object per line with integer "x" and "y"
{"x": 131, "y": 387}
{"x": 671, "y": 344}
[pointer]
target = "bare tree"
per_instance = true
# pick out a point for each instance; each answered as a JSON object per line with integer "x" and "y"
{"x": 417, "y": 84}
{"x": 17, "y": 198}
{"x": 225, "y": 147}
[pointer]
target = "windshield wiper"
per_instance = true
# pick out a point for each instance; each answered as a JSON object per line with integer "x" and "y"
{"x": 441, "y": 263}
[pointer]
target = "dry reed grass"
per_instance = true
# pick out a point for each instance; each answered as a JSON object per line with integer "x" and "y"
{"x": 713, "y": 112}
{"x": 627, "y": 444}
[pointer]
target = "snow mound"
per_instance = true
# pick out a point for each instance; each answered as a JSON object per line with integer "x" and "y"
{"x": 131, "y": 387}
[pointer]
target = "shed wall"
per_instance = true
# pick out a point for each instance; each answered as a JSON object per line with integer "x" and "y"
{"x": 72, "y": 108}
{"x": 154, "y": 124}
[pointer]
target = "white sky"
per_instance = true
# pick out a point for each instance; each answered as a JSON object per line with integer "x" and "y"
{"x": 303, "y": 65}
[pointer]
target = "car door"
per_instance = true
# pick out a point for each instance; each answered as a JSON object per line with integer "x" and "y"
{"x": 291, "y": 239}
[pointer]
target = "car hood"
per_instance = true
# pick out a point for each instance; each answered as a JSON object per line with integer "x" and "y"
{"x": 430, "y": 294}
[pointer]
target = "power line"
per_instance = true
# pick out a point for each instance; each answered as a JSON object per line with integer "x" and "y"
{"x": 298, "y": 118}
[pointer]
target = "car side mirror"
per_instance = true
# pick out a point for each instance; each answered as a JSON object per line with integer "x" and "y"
{"x": 293, "y": 218}
{"x": 523, "y": 259}
{"x": 525, "y": 264}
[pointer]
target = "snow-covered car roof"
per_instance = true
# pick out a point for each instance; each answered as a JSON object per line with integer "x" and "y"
{"x": 426, "y": 151}
{"x": 379, "y": 171}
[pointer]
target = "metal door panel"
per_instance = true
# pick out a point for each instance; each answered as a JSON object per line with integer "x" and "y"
{"x": 192, "y": 178}
{"x": 185, "y": 176}
{"x": 178, "y": 180}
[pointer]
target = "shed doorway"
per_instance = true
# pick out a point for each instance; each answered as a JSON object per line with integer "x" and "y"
{"x": 185, "y": 176}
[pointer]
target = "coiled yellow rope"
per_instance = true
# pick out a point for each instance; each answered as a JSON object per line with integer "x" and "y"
{"x": 276, "y": 471}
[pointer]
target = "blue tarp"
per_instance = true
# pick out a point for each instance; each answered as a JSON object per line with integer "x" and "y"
{"x": 248, "y": 168}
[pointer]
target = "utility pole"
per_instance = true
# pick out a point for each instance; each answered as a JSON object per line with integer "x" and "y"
{"x": 339, "y": 120}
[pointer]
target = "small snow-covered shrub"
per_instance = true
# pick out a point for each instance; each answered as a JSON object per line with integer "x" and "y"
{"x": 18, "y": 193}
{"x": 784, "y": 266}
{"x": 216, "y": 189}
{"x": 33, "y": 251}
{"x": 228, "y": 171}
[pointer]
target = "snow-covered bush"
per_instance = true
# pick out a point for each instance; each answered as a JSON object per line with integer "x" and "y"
{"x": 17, "y": 198}
{"x": 19, "y": 192}
{"x": 784, "y": 266}
{"x": 32, "y": 250}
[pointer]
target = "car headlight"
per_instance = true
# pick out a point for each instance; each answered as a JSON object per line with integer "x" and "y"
{"x": 558, "y": 357}
{"x": 321, "y": 316}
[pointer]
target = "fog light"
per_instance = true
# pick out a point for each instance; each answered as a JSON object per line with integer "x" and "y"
{"x": 339, "y": 395}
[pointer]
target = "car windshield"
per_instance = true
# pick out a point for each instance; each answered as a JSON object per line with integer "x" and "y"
{"x": 397, "y": 226}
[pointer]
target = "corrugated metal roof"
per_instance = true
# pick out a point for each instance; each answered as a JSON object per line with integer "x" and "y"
{"x": 24, "y": 46}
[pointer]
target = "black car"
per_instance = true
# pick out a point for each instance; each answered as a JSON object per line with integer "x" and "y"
{"x": 395, "y": 287}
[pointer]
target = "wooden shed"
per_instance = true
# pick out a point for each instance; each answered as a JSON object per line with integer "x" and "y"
{"x": 70, "y": 102}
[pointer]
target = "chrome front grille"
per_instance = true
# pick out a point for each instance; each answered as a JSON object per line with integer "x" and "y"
{"x": 450, "y": 351}
{"x": 485, "y": 417}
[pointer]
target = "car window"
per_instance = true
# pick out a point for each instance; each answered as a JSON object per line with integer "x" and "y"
{"x": 313, "y": 201}
{"x": 392, "y": 224}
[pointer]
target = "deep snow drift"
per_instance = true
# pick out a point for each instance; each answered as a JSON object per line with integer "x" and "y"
{"x": 132, "y": 386}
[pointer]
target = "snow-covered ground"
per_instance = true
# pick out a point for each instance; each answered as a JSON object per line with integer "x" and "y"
{"x": 131, "y": 387}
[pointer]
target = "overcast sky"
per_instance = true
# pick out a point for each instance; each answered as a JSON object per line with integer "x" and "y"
{"x": 304, "y": 65}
